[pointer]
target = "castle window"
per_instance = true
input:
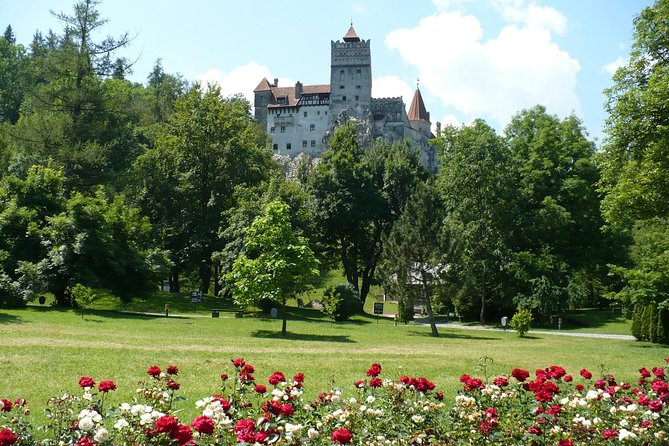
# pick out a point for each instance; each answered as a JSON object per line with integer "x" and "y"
{"x": 318, "y": 112}
{"x": 275, "y": 146}
{"x": 313, "y": 143}
{"x": 312, "y": 127}
{"x": 357, "y": 87}
{"x": 272, "y": 129}
{"x": 283, "y": 129}
{"x": 342, "y": 75}
{"x": 343, "y": 98}
{"x": 305, "y": 114}
{"x": 357, "y": 74}
{"x": 341, "y": 87}
{"x": 304, "y": 143}
{"x": 357, "y": 98}
{"x": 288, "y": 146}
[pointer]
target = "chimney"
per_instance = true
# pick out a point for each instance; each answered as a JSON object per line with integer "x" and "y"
{"x": 276, "y": 82}
{"x": 438, "y": 129}
{"x": 298, "y": 90}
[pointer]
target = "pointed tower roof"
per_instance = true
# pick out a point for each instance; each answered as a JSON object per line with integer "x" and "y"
{"x": 263, "y": 85}
{"x": 417, "y": 111}
{"x": 351, "y": 36}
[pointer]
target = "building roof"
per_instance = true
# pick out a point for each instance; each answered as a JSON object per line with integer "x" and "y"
{"x": 351, "y": 36}
{"x": 289, "y": 94}
{"x": 263, "y": 85}
{"x": 417, "y": 111}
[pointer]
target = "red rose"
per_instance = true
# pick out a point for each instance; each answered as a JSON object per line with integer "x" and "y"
{"x": 440, "y": 396}
{"x": 374, "y": 370}
{"x": 245, "y": 431}
{"x": 85, "y": 381}
{"x": 248, "y": 369}
{"x": 600, "y": 384}
{"x": 260, "y": 389}
{"x": 610, "y": 434}
{"x": 655, "y": 405}
{"x": 224, "y": 376}
{"x": 7, "y": 437}
{"x": 501, "y": 381}
{"x": 276, "y": 378}
{"x": 299, "y": 378}
{"x": 166, "y": 423}
{"x": 85, "y": 441}
{"x": 659, "y": 372}
{"x": 239, "y": 362}
{"x": 154, "y": 371}
{"x": 359, "y": 384}
{"x": 225, "y": 404}
{"x": 580, "y": 387}
{"x": 520, "y": 374}
{"x": 173, "y": 385}
{"x": 567, "y": 378}
{"x": 565, "y": 443}
{"x": 203, "y": 425}
{"x": 464, "y": 378}
{"x": 646, "y": 424}
{"x": 556, "y": 372}
{"x": 106, "y": 386}
{"x": 172, "y": 370}
{"x": 182, "y": 434}
{"x": 342, "y": 436}
{"x": 375, "y": 382}
{"x": 659, "y": 386}
{"x": 6, "y": 405}
{"x": 644, "y": 372}
{"x": 585, "y": 373}
{"x": 534, "y": 430}
{"x": 287, "y": 410}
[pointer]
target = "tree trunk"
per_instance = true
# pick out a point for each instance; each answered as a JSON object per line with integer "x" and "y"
{"x": 483, "y": 319}
{"x": 285, "y": 318}
{"x": 205, "y": 277}
{"x": 175, "y": 287}
{"x": 217, "y": 283}
{"x": 428, "y": 306}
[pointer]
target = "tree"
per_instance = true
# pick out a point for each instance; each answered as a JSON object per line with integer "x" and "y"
{"x": 359, "y": 193}
{"x": 635, "y": 160}
{"x": 414, "y": 251}
{"x": 475, "y": 180}
{"x": 277, "y": 264}
{"x": 13, "y": 77}
{"x": 558, "y": 219}
{"x": 185, "y": 184}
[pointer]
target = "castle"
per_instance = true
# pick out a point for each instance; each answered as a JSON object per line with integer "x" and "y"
{"x": 299, "y": 118}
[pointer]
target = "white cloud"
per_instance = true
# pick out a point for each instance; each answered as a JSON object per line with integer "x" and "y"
{"x": 448, "y": 5}
{"x": 613, "y": 66}
{"x": 495, "y": 78}
{"x": 359, "y": 8}
{"x": 392, "y": 87}
{"x": 450, "y": 119}
{"x": 241, "y": 80}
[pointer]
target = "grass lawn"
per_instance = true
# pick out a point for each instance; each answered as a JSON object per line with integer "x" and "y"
{"x": 44, "y": 351}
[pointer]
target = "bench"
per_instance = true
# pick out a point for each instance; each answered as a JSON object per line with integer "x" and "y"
{"x": 215, "y": 312}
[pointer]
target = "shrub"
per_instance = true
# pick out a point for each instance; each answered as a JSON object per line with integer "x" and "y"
{"x": 341, "y": 302}
{"x": 521, "y": 321}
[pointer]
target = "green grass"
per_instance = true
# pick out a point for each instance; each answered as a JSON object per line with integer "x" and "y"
{"x": 43, "y": 351}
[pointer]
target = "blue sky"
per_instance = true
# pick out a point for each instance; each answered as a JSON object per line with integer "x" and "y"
{"x": 474, "y": 58}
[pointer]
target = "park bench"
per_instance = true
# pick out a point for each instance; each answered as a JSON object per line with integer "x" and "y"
{"x": 216, "y": 311}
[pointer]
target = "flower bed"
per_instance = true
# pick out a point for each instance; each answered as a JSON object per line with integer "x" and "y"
{"x": 549, "y": 407}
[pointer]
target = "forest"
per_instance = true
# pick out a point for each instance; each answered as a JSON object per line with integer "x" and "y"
{"x": 117, "y": 185}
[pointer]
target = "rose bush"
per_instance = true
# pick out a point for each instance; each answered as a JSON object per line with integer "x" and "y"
{"x": 546, "y": 407}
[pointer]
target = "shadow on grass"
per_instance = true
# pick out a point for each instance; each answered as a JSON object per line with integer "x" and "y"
{"x": 452, "y": 335}
{"x": 271, "y": 334}
{"x": 10, "y": 319}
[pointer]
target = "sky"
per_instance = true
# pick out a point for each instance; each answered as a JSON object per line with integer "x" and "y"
{"x": 472, "y": 59}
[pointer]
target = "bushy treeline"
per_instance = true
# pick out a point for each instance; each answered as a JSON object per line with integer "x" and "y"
{"x": 113, "y": 184}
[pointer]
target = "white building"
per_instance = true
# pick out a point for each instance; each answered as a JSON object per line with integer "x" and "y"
{"x": 300, "y": 117}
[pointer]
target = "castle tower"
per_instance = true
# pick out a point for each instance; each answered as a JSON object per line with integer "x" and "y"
{"x": 262, "y": 97}
{"x": 418, "y": 114}
{"x": 350, "y": 74}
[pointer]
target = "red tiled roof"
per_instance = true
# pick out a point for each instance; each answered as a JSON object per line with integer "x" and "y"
{"x": 351, "y": 36}
{"x": 289, "y": 93}
{"x": 263, "y": 85}
{"x": 417, "y": 111}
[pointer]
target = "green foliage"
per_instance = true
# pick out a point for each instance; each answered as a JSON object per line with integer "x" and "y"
{"x": 277, "y": 263}
{"x": 341, "y": 302}
{"x": 650, "y": 322}
{"x": 359, "y": 193}
{"x": 476, "y": 183}
{"x": 416, "y": 252}
{"x": 521, "y": 321}
{"x": 83, "y": 295}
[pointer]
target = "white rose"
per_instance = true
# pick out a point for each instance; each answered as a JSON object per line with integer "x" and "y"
{"x": 417, "y": 419}
{"x": 312, "y": 433}
{"x": 86, "y": 424}
{"x": 121, "y": 423}
{"x": 101, "y": 435}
